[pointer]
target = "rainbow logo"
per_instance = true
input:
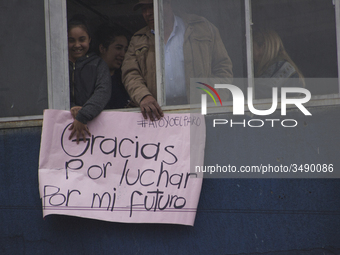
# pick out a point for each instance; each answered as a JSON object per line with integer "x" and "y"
{"x": 209, "y": 93}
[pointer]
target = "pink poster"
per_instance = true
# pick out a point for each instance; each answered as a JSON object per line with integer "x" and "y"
{"x": 129, "y": 170}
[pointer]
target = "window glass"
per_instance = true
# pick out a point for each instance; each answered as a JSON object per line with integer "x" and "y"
{"x": 111, "y": 25}
{"x": 202, "y": 39}
{"x": 114, "y": 12}
{"x": 23, "y": 73}
{"x": 296, "y": 39}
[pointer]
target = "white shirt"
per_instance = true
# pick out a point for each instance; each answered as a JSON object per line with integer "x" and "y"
{"x": 174, "y": 65}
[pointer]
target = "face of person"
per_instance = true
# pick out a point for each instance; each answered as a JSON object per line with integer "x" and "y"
{"x": 114, "y": 54}
{"x": 147, "y": 10}
{"x": 78, "y": 43}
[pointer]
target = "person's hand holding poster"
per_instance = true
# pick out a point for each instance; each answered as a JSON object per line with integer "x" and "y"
{"x": 129, "y": 170}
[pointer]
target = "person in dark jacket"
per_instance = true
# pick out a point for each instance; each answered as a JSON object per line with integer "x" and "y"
{"x": 112, "y": 44}
{"x": 90, "y": 82}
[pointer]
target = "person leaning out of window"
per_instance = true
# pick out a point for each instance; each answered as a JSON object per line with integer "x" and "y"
{"x": 112, "y": 44}
{"x": 90, "y": 81}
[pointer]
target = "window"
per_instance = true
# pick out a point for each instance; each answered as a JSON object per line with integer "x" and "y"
{"x": 309, "y": 29}
{"x": 214, "y": 43}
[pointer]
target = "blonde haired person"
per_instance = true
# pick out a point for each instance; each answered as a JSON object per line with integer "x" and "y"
{"x": 272, "y": 61}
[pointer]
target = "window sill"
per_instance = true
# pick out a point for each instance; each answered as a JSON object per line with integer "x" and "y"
{"x": 36, "y": 121}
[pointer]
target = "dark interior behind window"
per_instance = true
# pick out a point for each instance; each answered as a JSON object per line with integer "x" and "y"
{"x": 23, "y": 73}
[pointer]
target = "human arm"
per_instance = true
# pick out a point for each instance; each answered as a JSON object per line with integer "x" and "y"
{"x": 74, "y": 111}
{"x": 77, "y": 128}
{"x": 99, "y": 97}
{"x": 96, "y": 101}
{"x": 134, "y": 68}
{"x": 138, "y": 74}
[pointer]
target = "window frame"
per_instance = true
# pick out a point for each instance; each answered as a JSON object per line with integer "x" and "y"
{"x": 316, "y": 100}
{"x": 57, "y": 63}
{"x": 57, "y": 54}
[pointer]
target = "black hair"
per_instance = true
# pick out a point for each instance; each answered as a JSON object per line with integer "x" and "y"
{"x": 79, "y": 20}
{"x": 106, "y": 34}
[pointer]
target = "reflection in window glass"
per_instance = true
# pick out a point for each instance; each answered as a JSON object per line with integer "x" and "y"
{"x": 294, "y": 39}
{"x": 23, "y": 75}
{"x": 202, "y": 39}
